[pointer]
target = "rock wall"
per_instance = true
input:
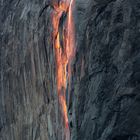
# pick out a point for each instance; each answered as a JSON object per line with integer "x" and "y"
{"x": 28, "y": 99}
{"x": 104, "y": 99}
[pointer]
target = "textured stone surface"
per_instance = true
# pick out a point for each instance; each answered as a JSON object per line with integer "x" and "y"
{"x": 28, "y": 101}
{"x": 104, "y": 100}
{"x": 106, "y": 81}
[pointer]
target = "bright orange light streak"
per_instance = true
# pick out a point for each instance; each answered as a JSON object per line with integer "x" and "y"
{"x": 63, "y": 54}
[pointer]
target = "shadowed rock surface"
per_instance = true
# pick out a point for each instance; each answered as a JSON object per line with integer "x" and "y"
{"x": 104, "y": 102}
{"x": 106, "y": 81}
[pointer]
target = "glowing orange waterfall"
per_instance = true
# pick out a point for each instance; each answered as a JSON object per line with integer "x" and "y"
{"x": 64, "y": 52}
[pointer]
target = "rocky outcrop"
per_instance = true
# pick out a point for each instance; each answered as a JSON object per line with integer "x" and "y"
{"x": 104, "y": 98}
{"x": 106, "y": 78}
{"x": 28, "y": 101}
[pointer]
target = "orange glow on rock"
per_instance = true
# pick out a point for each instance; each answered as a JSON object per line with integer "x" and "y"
{"x": 63, "y": 102}
{"x": 63, "y": 54}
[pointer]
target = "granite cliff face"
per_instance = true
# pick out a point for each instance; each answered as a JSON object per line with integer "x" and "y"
{"x": 104, "y": 98}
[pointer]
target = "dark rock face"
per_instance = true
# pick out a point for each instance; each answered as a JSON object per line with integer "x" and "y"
{"x": 28, "y": 101}
{"x": 104, "y": 100}
{"x": 106, "y": 71}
